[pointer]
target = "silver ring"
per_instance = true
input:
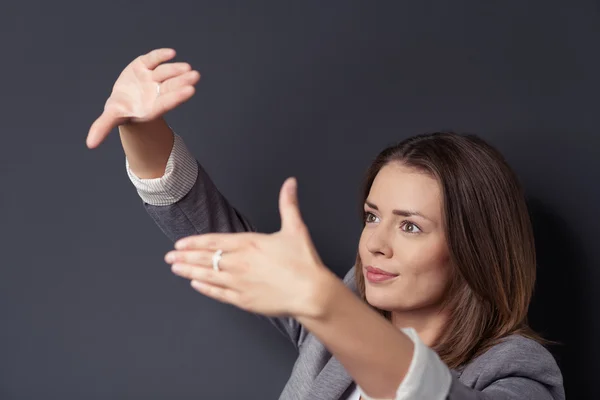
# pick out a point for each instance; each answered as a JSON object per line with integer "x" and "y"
{"x": 216, "y": 258}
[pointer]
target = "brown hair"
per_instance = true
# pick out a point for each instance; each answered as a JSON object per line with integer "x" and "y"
{"x": 489, "y": 236}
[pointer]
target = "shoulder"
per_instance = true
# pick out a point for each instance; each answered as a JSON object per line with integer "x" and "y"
{"x": 350, "y": 279}
{"x": 514, "y": 356}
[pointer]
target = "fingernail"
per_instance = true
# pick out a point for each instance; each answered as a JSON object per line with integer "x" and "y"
{"x": 170, "y": 257}
{"x": 176, "y": 268}
{"x": 292, "y": 186}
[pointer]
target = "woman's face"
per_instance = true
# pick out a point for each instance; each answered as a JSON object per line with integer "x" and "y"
{"x": 403, "y": 246}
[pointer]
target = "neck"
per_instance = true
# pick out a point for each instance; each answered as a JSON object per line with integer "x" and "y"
{"x": 428, "y": 323}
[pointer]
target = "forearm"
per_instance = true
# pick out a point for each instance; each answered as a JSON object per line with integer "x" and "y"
{"x": 147, "y": 147}
{"x": 371, "y": 349}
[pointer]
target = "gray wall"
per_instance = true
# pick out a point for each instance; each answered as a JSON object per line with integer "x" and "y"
{"x": 88, "y": 309}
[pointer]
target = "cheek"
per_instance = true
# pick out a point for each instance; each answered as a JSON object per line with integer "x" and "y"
{"x": 426, "y": 266}
{"x": 424, "y": 275}
{"x": 427, "y": 285}
{"x": 362, "y": 248}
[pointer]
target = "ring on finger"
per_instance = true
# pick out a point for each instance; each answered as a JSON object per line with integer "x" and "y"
{"x": 216, "y": 258}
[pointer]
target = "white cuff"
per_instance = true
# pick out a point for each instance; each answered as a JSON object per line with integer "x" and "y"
{"x": 427, "y": 377}
{"x": 180, "y": 176}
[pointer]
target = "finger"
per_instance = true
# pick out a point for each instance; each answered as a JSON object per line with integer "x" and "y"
{"x": 152, "y": 59}
{"x": 189, "y": 78}
{"x": 228, "y": 242}
{"x": 198, "y": 257}
{"x": 167, "y": 71}
{"x": 167, "y": 102}
{"x": 230, "y": 261}
{"x": 207, "y": 275}
{"x": 291, "y": 219}
{"x": 101, "y": 128}
{"x": 223, "y": 295}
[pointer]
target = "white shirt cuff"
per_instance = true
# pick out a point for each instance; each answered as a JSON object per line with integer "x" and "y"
{"x": 427, "y": 377}
{"x": 180, "y": 176}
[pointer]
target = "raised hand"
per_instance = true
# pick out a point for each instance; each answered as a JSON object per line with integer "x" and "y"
{"x": 271, "y": 274}
{"x": 145, "y": 90}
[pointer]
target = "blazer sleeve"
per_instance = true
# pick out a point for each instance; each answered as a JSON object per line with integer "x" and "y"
{"x": 516, "y": 369}
{"x": 185, "y": 202}
{"x": 519, "y": 368}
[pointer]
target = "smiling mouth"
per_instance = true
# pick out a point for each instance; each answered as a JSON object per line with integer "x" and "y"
{"x": 376, "y": 275}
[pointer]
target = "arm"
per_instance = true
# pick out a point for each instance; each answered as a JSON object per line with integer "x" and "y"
{"x": 147, "y": 147}
{"x": 381, "y": 359}
{"x": 508, "y": 388}
{"x": 387, "y": 363}
{"x": 184, "y": 201}
{"x": 516, "y": 368}
{"x": 282, "y": 274}
{"x": 176, "y": 191}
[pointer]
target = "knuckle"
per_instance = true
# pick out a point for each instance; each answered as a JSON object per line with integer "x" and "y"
{"x": 194, "y": 257}
{"x": 218, "y": 293}
{"x": 180, "y": 269}
{"x": 254, "y": 244}
{"x": 209, "y": 290}
{"x": 245, "y": 264}
{"x": 299, "y": 227}
{"x": 211, "y": 243}
{"x": 204, "y": 258}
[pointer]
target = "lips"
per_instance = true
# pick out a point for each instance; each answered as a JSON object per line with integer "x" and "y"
{"x": 376, "y": 275}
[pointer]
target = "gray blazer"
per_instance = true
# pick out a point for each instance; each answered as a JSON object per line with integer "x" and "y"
{"x": 517, "y": 368}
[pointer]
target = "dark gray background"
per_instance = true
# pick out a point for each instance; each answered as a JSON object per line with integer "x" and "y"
{"x": 88, "y": 308}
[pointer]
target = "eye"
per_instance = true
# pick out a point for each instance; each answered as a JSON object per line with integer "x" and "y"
{"x": 409, "y": 227}
{"x": 369, "y": 217}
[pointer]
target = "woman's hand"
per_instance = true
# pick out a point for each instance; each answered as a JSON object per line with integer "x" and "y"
{"x": 270, "y": 274}
{"x": 145, "y": 90}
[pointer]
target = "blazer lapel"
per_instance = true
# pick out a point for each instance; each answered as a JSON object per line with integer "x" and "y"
{"x": 331, "y": 383}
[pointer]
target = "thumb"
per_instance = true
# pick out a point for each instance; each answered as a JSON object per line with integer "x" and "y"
{"x": 101, "y": 128}
{"x": 291, "y": 219}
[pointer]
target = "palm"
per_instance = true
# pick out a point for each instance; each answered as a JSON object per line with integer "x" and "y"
{"x": 135, "y": 96}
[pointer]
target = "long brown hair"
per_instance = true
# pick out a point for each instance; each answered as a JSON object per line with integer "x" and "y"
{"x": 489, "y": 236}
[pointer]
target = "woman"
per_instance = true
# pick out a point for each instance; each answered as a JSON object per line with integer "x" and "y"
{"x": 436, "y": 304}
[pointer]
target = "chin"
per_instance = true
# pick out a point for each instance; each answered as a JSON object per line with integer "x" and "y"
{"x": 392, "y": 302}
{"x": 389, "y": 299}
{"x": 384, "y": 301}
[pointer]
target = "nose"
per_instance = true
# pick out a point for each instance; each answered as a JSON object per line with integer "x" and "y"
{"x": 378, "y": 243}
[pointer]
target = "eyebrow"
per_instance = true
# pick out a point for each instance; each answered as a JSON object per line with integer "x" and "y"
{"x": 404, "y": 213}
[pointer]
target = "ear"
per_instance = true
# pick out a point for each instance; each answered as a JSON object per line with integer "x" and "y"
{"x": 291, "y": 219}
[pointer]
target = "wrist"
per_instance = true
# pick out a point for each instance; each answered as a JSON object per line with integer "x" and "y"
{"x": 318, "y": 294}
